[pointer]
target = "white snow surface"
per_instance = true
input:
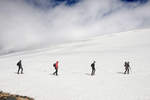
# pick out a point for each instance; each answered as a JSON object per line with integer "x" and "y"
{"x": 74, "y": 81}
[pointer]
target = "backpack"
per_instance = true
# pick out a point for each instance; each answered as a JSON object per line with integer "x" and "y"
{"x": 18, "y": 63}
{"x": 92, "y": 65}
{"x": 54, "y": 65}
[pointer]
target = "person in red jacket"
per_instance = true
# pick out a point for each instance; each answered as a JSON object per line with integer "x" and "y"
{"x": 56, "y": 68}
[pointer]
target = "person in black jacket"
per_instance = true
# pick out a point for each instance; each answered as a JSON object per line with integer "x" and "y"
{"x": 19, "y": 64}
{"x": 127, "y": 67}
{"x": 93, "y": 68}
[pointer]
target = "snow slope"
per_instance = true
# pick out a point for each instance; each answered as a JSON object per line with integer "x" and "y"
{"x": 74, "y": 81}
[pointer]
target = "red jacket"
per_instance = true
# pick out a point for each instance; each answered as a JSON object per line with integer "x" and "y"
{"x": 56, "y": 65}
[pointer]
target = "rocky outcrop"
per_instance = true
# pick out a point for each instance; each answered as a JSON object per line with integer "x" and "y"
{"x": 7, "y": 96}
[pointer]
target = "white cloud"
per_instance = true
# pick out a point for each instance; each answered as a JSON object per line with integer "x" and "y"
{"x": 24, "y": 26}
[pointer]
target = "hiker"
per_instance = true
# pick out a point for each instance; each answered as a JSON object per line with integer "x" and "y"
{"x": 127, "y": 66}
{"x": 93, "y": 68}
{"x": 19, "y": 64}
{"x": 55, "y": 65}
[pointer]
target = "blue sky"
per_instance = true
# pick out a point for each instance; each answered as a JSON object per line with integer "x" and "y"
{"x": 55, "y": 3}
{"x": 140, "y": 1}
{"x": 52, "y": 3}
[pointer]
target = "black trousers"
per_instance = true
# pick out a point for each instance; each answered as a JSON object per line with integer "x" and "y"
{"x": 56, "y": 72}
{"x": 20, "y": 68}
{"x": 93, "y": 72}
{"x": 126, "y": 71}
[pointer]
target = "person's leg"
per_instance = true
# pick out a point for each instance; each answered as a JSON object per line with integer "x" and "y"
{"x": 92, "y": 72}
{"x": 21, "y": 70}
{"x": 125, "y": 71}
{"x": 18, "y": 70}
{"x": 56, "y": 72}
{"x": 128, "y": 70}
